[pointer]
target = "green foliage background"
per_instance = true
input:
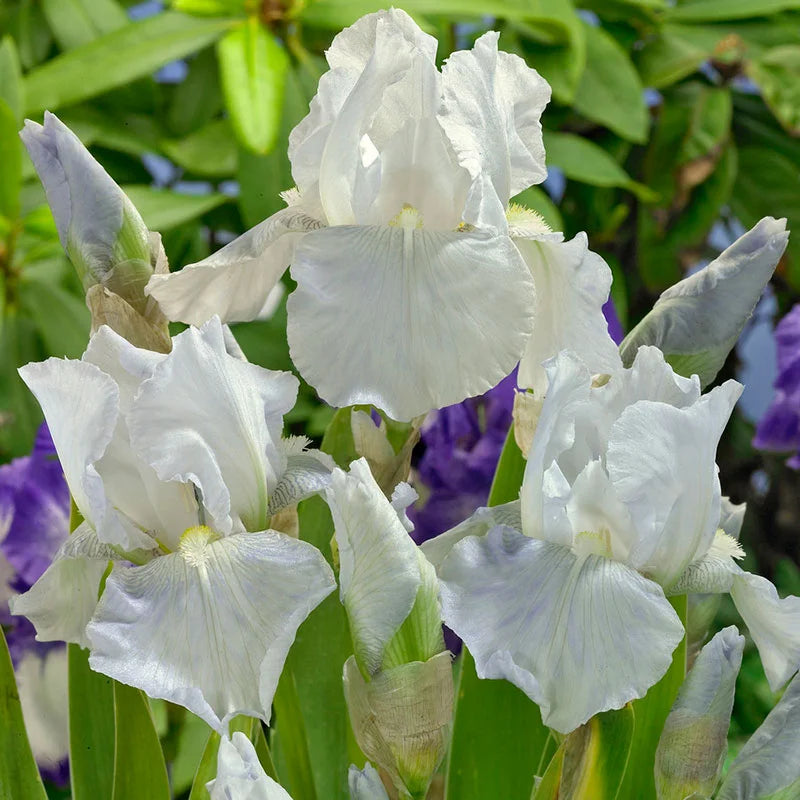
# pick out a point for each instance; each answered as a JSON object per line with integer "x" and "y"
{"x": 667, "y": 119}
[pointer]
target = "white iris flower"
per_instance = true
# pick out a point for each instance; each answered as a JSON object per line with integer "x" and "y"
{"x": 240, "y": 775}
{"x": 564, "y": 593}
{"x": 176, "y": 463}
{"x": 415, "y": 278}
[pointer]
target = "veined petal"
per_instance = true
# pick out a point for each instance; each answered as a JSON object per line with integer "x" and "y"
{"x": 240, "y": 775}
{"x": 577, "y": 635}
{"x": 209, "y": 627}
{"x": 306, "y": 474}
{"x": 774, "y": 624}
{"x": 661, "y": 461}
{"x": 61, "y": 603}
{"x": 768, "y": 766}
{"x": 235, "y": 282}
{"x": 572, "y": 284}
{"x": 492, "y": 106}
{"x": 208, "y": 418}
{"x": 479, "y": 524}
{"x": 365, "y": 784}
{"x": 407, "y": 320}
{"x": 379, "y": 574}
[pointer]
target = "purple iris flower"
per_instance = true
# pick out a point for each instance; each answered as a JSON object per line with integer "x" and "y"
{"x": 779, "y": 428}
{"x": 34, "y": 521}
{"x": 462, "y": 446}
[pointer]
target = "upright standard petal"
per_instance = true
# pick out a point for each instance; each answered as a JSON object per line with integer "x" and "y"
{"x": 240, "y": 775}
{"x": 379, "y": 574}
{"x": 661, "y": 461}
{"x": 768, "y": 766}
{"x": 694, "y": 741}
{"x": 697, "y": 321}
{"x": 407, "y": 319}
{"x": 235, "y": 282}
{"x": 209, "y": 627}
{"x": 61, "y": 603}
{"x": 209, "y": 418}
{"x": 774, "y": 624}
{"x": 572, "y": 284}
{"x": 491, "y": 110}
{"x": 577, "y": 635}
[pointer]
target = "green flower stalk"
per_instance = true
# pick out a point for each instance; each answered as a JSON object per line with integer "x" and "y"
{"x": 103, "y": 234}
{"x": 398, "y": 683}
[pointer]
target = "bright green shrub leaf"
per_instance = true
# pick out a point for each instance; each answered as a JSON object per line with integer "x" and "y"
{"x": 19, "y": 776}
{"x": 197, "y": 99}
{"x": 676, "y": 52}
{"x": 206, "y": 769}
{"x": 134, "y": 134}
{"x": 30, "y": 31}
{"x": 11, "y": 89}
{"x": 211, "y": 8}
{"x": 162, "y": 209}
{"x": 583, "y": 160}
{"x": 78, "y": 22}
{"x": 209, "y": 151}
{"x": 253, "y": 67}
{"x": 610, "y": 91}
{"x": 498, "y": 735}
{"x": 91, "y": 728}
{"x": 10, "y": 163}
{"x": 139, "y": 768}
{"x": 62, "y": 319}
{"x": 709, "y": 125}
{"x": 118, "y": 58}
{"x": 777, "y": 73}
{"x": 723, "y": 10}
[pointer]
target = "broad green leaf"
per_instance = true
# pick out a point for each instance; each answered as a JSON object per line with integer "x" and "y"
{"x": 19, "y": 776}
{"x": 583, "y": 160}
{"x": 207, "y": 769}
{"x": 253, "y": 67}
{"x": 547, "y": 786}
{"x": 78, "y": 22}
{"x": 30, "y": 31}
{"x": 162, "y": 209}
{"x": 63, "y": 321}
{"x": 91, "y": 728}
{"x": 118, "y": 58}
{"x": 676, "y": 52}
{"x": 610, "y": 91}
{"x": 11, "y": 89}
{"x": 498, "y": 735}
{"x": 650, "y": 714}
{"x": 211, "y": 8}
{"x": 777, "y": 73}
{"x": 209, "y": 151}
{"x": 712, "y": 10}
{"x": 10, "y": 163}
{"x": 139, "y": 768}
{"x": 710, "y": 122}
{"x": 197, "y": 99}
{"x": 134, "y": 134}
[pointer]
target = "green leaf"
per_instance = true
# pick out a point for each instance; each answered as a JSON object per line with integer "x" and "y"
{"x": 209, "y": 151}
{"x": 253, "y": 67}
{"x": 211, "y": 8}
{"x": 723, "y": 10}
{"x": 610, "y": 91}
{"x": 30, "y": 31}
{"x": 78, "y": 22}
{"x": 650, "y": 714}
{"x": 207, "y": 769}
{"x": 19, "y": 776}
{"x": 139, "y": 768}
{"x": 118, "y": 58}
{"x": 11, "y": 89}
{"x": 62, "y": 320}
{"x": 91, "y": 728}
{"x": 162, "y": 209}
{"x": 777, "y": 73}
{"x": 677, "y": 52}
{"x": 134, "y": 134}
{"x": 709, "y": 123}
{"x": 583, "y": 160}
{"x": 498, "y": 735}
{"x": 547, "y": 787}
{"x": 197, "y": 99}
{"x": 10, "y": 163}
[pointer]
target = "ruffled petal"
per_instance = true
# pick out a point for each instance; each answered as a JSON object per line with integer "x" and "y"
{"x": 61, "y": 603}
{"x": 774, "y": 624}
{"x": 209, "y": 627}
{"x": 407, "y": 320}
{"x": 768, "y": 766}
{"x": 306, "y": 474}
{"x": 661, "y": 461}
{"x": 235, "y": 282}
{"x": 577, "y": 635}
{"x": 572, "y": 284}
{"x": 240, "y": 775}
{"x": 208, "y": 418}
{"x": 379, "y": 569}
{"x": 491, "y": 112}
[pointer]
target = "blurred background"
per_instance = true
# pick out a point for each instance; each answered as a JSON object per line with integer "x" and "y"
{"x": 673, "y": 128}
